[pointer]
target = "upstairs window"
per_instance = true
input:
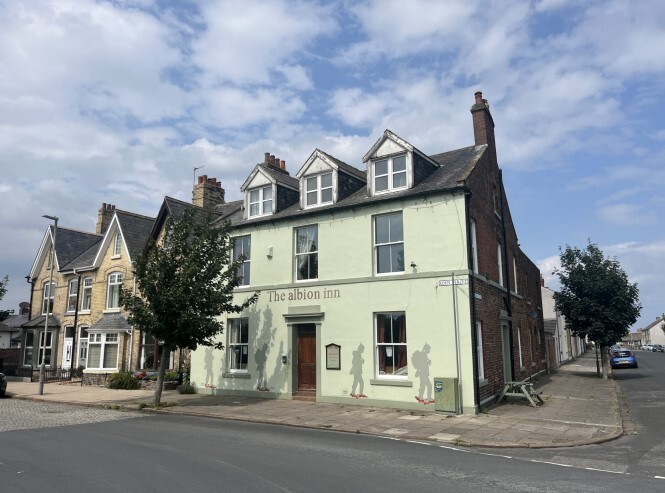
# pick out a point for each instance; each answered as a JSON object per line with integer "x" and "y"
{"x": 49, "y": 295}
{"x": 389, "y": 243}
{"x": 71, "y": 296}
{"x": 117, "y": 244}
{"x": 499, "y": 257}
{"x": 474, "y": 247}
{"x": 390, "y": 174}
{"x": 318, "y": 190}
{"x": 86, "y": 294}
{"x": 113, "y": 295}
{"x": 242, "y": 247}
{"x": 260, "y": 201}
{"x": 307, "y": 253}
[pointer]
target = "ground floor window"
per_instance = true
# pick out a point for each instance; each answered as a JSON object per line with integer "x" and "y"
{"x": 28, "y": 347}
{"x": 29, "y": 353}
{"x": 238, "y": 344}
{"x": 391, "y": 349}
{"x": 103, "y": 351}
{"x": 479, "y": 350}
{"x": 151, "y": 351}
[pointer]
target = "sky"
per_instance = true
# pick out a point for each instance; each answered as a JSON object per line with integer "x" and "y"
{"x": 118, "y": 101}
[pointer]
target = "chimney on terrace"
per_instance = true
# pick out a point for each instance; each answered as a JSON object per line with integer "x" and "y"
{"x": 483, "y": 124}
{"x": 207, "y": 193}
{"x": 104, "y": 218}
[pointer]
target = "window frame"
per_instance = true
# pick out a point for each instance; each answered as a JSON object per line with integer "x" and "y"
{"x": 319, "y": 189}
{"x": 71, "y": 293}
{"x": 82, "y": 348}
{"x": 50, "y": 297}
{"x": 47, "y": 347}
{"x": 480, "y": 354}
{"x": 378, "y": 345}
{"x": 499, "y": 257}
{"x": 515, "y": 273}
{"x": 102, "y": 339}
{"x": 474, "y": 247}
{"x": 117, "y": 244}
{"x": 308, "y": 254}
{"x": 156, "y": 347}
{"x": 261, "y": 202}
{"x": 29, "y": 334}
{"x": 115, "y": 286}
{"x": 390, "y": 173}
{"x": 86, "y": 294}
{"x": 244, "y": 271}
{"x": 233, "y": 325}
{"x": 377, "y": 246}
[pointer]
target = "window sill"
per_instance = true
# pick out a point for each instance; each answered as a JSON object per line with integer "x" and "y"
{"x": 236, "y": 375}
{"x": 111, "y": 310}
{"x": 116, "y": 257}
{"x": 84, "y": 312}
{"x": 483, "y": 383}
{"x": 391, "y": 382}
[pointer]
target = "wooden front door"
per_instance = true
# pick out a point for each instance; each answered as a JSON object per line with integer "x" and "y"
{"x": 307, "y": 358}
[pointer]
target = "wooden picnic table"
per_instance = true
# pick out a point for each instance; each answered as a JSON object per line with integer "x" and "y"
{"x": 524, "y": 390}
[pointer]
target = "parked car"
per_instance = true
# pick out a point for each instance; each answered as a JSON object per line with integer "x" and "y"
{"x": 647, "y": 347}
{"x": 623, "y": 358}
{"x": 3, "y": 384}
{"x": 658, "y": 348}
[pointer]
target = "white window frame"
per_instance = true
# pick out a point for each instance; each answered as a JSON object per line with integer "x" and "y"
{"x": 378, "y": 345}
{"x": 86, "y": 294}
{"x": 479, "y": 350}
{"x": 245, "y": 271}
{"x": 114, "y": 283}
{"x": 48, "y": 297}
{"x": 104, "y": 340}
{"x": 298, "y": 256}
{"x": 72, "y": 293}
{"x": 235, "y": 328}
{"x": 499, "y": 255}
{"x": 117, "y": 244}
{"x": 261, "y": 202}
{"x": 318, "y": 189}
{"x": 29, "y": 334}
{"x": 515, "y": 272}
{"x": 390, "y": 173}
{"x": 48, "y": 348}
{"x": 519, "y": 345}
{"x": 474, "y": 247}
{"x": 392, "y": 242}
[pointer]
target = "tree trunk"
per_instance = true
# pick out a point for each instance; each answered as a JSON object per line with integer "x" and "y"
{"x": 160, "y": 377}
{"x": 605, "y": 362}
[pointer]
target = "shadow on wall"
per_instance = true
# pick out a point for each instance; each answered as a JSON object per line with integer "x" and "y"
{"x": 421, "y": 362}
{"x": 357, "y": 362}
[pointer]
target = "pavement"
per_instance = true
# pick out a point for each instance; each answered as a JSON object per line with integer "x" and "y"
{"x": 579, "y": 409}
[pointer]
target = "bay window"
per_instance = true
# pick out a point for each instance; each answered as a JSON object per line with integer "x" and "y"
{"x": 103, "y": 351}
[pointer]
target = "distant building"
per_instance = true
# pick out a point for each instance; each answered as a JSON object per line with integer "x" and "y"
{"x": 562, "y": 344}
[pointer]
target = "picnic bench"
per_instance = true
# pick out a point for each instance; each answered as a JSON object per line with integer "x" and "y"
{"x": 524, "y": 390}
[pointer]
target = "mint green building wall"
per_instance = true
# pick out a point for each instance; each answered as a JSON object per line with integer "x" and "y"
{"x": 343, "y": 300}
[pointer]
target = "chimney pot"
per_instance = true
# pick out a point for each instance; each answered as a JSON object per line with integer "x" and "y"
{"x": 272, "y": 159}
{"x": 479, "y": 97}
{"x": 282, "y": 164}
{"x": 266, "y": 157}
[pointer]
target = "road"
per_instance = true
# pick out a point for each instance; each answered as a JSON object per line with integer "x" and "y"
{"x": 119, "y": 452}
{"x": 641, "y": 453}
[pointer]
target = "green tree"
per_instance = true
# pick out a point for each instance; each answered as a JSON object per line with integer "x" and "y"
{"x": 183, "y": 284}
{"x": 3, "y": 286}
{"x": 596, "y": 298}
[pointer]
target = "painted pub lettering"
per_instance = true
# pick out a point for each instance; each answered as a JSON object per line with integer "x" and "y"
{"x": 299, "y": 294}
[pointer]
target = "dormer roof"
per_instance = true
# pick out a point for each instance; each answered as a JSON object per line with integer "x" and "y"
{"x": 273, "y": 174}
{"x": 333, "y": 162}
{"x": 397, "y": 141}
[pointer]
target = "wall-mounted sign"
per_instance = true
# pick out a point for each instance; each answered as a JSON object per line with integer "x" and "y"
{"x": 333, "y": 360}
{"x": 449, "y": 282}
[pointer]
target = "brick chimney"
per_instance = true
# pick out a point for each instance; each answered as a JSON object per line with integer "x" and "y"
{"x": 104, "y": 218}
{"x": 207, "y": 193}
{"x": 483, "y": 124}
{"x": 274, "y": 162}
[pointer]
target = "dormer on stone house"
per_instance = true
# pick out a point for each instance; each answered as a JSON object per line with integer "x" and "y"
{"x": 269, "y": 188}
{"x": 327, "y": 180}
{"x": 393, "y": 165}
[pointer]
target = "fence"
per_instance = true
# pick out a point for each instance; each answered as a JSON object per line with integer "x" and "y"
{"x": 12, "y": 369}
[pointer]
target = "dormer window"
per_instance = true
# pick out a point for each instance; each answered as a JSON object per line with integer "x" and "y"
{"x": 390, "y": 173}
{"x": 319, "y": 190}
{"x": 260, "y": 201}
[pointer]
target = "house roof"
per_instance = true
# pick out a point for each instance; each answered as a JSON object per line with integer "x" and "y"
{"x": 111, "y": 322}
{"x": 347, "y": 168}
{"x": 53, "y": 322}
{"x": 70, "y": 243}
{"x": 454, "y": 168}
{"x": 135, "y": 230}
{"x": 14, "y": 322}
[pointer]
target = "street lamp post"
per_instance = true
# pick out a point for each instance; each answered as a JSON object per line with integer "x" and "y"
{"x": 51, "y": 294}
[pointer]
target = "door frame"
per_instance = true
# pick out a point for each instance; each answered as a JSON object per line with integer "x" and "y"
{"x": 296, "y": 317}
{"x": 299, "y": 330}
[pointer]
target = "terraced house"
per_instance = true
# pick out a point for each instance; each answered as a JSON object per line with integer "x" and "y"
{"x": 398, "y": 284}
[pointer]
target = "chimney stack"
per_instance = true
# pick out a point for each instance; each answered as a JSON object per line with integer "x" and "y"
{"x": 483, "y": 124}
{"x": 104, "y": 217}
{"x": 207, "y": 193}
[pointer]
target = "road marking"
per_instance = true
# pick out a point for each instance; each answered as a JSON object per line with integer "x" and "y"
{"x": 421, "y": 443}
{"x": 603, "y": 470}
{"x": 659, "y": 477}
{"x": 553, "y": 463}
{"x": 494, "y": 455}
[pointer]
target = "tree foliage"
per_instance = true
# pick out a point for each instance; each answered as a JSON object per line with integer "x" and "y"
{"x": 3, "y": 286}
{"x": 183, "y": 284}
{"x": 596, "y": 298}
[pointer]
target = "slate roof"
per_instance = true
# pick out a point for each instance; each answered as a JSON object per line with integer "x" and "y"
{"x": 14, "y": 322}
{"x": 347, "y": 168}
{"x": 281, "y": 177}
{"x": 86, "y": 259}
{"x": 70, "y": 243}
{"x": 135, "y": 230}
{"x": 113, "y": 322}
{"x": 53, "y": 322}
{"x": 454, "y": 168}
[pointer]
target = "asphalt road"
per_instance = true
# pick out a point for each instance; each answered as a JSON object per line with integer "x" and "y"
{"x": 169, "y": 453}
{"x": 638, "y": 454}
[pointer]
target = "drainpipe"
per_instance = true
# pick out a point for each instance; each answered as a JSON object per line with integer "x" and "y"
{"x": 131, "y": 331}
{"x": 472, "y": 296}
{"x": 509, "y": 302}
{"x": 457, "y": 346}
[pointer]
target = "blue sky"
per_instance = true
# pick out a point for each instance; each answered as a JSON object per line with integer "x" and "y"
{"x": 118, "y": 101}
